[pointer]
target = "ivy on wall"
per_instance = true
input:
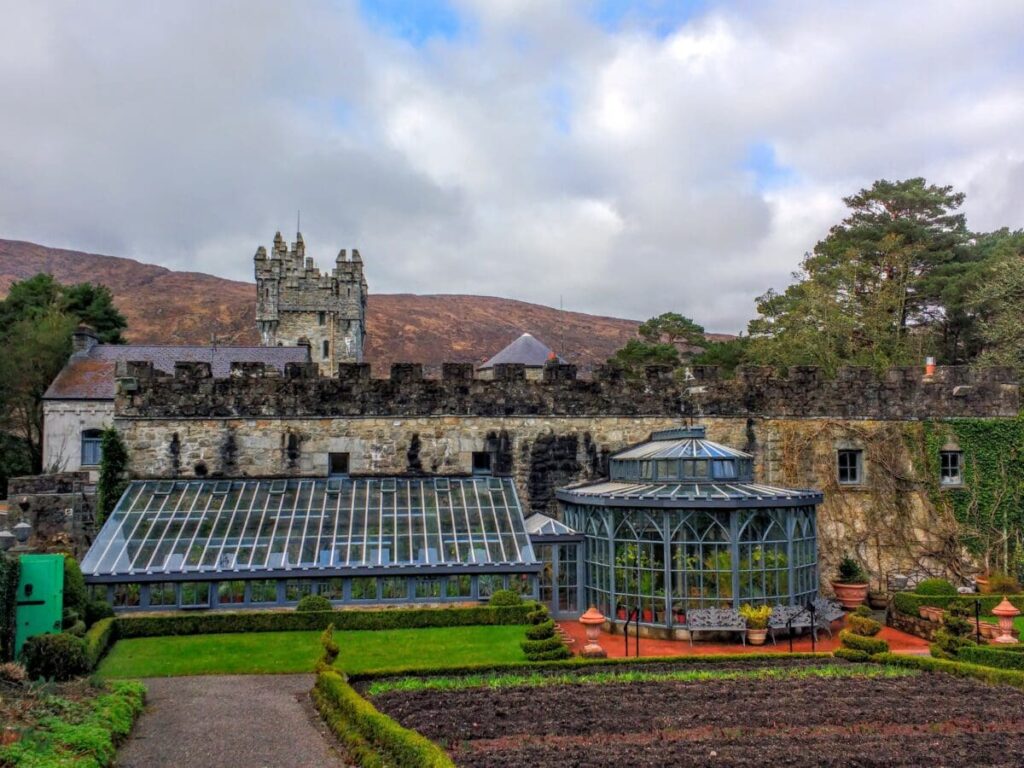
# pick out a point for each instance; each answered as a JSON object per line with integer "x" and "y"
{"x": 988, "y": 505}
{"x": 9, "y": 570}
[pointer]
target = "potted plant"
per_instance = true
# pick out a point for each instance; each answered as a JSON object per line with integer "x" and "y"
{"x": 851, "y": 583}
{"x": 678, "y": 613}
{"x": 757, "y": 622}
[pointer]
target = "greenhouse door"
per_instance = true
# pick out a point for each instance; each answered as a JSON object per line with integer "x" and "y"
{"x": 560, "y": 579}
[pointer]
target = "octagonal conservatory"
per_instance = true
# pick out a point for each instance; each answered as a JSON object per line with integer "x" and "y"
{"x": 681, "y": 524}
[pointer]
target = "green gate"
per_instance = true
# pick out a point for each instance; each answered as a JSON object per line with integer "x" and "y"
{"x": 40, "y": 598}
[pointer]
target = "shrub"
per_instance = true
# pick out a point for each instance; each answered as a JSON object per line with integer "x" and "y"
{"x": 77, "y": 629}
{"x": 532, "y": 647}
{"x": 56, "y": 657}
{"x": 756, "y": 616}
{"x": 541, "y": 631}
{"x": 9, "y": 570}
{"x": 539, "y": 615}
{"x": 98, "y": 640}
{"x": 955, "y": 632}
{"x": 314, "y": 603}
{"x": 555, "y": 654}
{"x": 75, "y": 596}
{"x": 863, "y": 610}
{"x": 282, "y": 621}
{"x": 851, "y": 572}
{"x": 1003, "y": 584}
{"x": 863, "y": 626}
{"x": 868, "y": 645}
{"x": 330, "y": 646}
{"x": 935, "y": 587}
{"x": 957, "y": 668}
{"x": 12, "y": 672}
{"x": 505, "y": 597}
{"x": 341, "y": 706}
{"x": 96, "y": 610}
{"x": 851, "y": 655}
{"x": 991, "y": 656}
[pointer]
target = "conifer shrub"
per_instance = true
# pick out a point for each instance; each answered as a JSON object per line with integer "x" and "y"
{"x": 311, "y": 603}
{"x": 54, "y": 657}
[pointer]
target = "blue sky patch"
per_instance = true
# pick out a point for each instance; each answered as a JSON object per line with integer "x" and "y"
{"x": 660, "y": 17}
{"x": 413, "y": 20}
{"x": 763, "y": 164}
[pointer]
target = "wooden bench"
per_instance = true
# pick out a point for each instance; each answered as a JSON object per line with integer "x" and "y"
{"x": 716, "y": 620}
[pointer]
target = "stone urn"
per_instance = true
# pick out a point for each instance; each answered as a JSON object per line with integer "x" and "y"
{"x": 850, "y": 595}
{"x": 592, "y": 621}
{"x": 1006, "y": 612}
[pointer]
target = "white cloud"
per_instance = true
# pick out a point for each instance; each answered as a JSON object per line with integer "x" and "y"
{"x": 536, "y": 154}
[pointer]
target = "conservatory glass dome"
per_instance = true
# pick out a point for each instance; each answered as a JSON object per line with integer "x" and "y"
{"x": 681, "y": 523}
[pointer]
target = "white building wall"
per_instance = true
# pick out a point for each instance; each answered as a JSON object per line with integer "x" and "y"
{"x": 63, "y": 424}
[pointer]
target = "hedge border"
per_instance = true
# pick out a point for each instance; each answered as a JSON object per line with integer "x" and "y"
{"x": 989, "y": 675}
{"x": 987, "y": 656}
{"x": 98, "y": 640}
{"x": 578, "y": 662}
{"x": 341, "y": 706}
{"x": 216, "y": 622}
{"x": 868, "y": 645}
{"x": 910, "y": 603}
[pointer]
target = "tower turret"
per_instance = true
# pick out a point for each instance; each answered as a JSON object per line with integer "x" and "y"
{"x": 295, "y": 301}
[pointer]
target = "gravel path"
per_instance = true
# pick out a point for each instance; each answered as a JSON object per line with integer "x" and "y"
{"x": 258, "y": 721}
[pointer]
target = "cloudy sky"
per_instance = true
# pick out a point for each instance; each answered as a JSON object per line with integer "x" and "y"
{"x": 634, "y": 158}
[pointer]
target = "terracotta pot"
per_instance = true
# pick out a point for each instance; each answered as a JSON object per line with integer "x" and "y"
{"x": 923, "y": 611}
{"x": 679, "y": 618}
{"x": 756, "y": 636}
{"x": 989, "y": 630}
{"x": 648, "y": 615}
{"x": 850, "y": 595}
{"x": 622, "y": 614}
{"x": 878, "y": 600}
{"x": 935, "y": 614}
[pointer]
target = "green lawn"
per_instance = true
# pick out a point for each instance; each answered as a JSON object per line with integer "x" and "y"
{"x": 277, "y": 652}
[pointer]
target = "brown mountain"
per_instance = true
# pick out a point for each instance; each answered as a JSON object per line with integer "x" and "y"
{"x": 167, "y": 307}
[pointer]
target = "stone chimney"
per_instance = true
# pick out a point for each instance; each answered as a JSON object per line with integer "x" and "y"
{"x": 83, "y": 339}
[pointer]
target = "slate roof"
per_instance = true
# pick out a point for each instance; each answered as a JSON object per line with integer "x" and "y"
{"x": 527, "y": 350}
{"x": 90, "y": 374}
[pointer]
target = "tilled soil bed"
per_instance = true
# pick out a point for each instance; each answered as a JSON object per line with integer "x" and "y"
{"x": 930, "y": 719}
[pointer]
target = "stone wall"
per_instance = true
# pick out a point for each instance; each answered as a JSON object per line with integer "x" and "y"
{"x": 59, "y": 507}
{"x": 562, "y": 430}
{"x": 903, "y": 393}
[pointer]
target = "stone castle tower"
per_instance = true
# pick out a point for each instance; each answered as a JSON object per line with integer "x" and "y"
{"x": 295, "y": 303}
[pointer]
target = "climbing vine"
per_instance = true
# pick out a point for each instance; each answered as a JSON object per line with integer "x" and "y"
{"x": 113, "y": 467}
{"x": 988, "y": 505}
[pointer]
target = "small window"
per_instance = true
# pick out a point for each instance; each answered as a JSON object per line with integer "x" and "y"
{"x": 388, "y": 485}
{"x": 428, "y": 587}
{"x": 92, "y": 447}
{"x": 330, "y": 588}
{"x": 326, "y": 349}
{"x": 230, "y": 592}
{"x": 723, "y": 469}
{"x": 195, "y": 594}
{"x": 459, "y": 586}
{"x": 364, "y": 588}
{"x": 321, "y": 318}
{"x": 337, "y": 464}
{"x": 488, "y": 584}
{"x": 950, "y": 467}
{"x": 126, "y": 595}
{"x": 481, "y": 463}
{"x": 296, "y": 589}
{"x": 646, "y": 470}
{"x": 850, "y": 466}
{"x": 394, "y": 588}
{"x": 263, "y": 591}
{"x": 161, "y": 595}
{"x": 442, "y": 484}
{"x": 668, "y": 469}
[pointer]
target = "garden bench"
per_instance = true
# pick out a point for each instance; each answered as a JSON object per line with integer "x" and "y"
{"x": 716, "y": 620}
{"x": 788, "y": 617}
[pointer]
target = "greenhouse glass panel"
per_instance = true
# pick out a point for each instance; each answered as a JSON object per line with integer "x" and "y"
{"x": 192, "y": 527}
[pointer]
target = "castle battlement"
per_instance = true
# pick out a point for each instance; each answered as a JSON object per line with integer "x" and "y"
{"x": 303, "y": 390}
{"x": 296, "y": 303}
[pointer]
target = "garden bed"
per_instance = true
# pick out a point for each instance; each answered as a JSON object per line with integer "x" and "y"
{"x": 804, "y": 714}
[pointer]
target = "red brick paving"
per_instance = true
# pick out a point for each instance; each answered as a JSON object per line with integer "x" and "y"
{"x": 900, "y": 642}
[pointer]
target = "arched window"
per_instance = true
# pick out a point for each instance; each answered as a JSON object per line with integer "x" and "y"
{"x": 92, "y": 447}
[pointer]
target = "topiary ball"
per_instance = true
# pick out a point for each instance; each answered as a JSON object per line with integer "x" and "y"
{"x": 312, "y": 603}
{"x": 503, "y": 597}
{"x": 935, "y": 587}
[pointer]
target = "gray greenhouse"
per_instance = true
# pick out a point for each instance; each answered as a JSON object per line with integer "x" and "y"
{"x": 681, "y": 524}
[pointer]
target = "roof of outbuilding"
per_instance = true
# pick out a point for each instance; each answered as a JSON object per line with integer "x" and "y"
{"x": 527, "y": 350}
{"x": 90, "y": 374}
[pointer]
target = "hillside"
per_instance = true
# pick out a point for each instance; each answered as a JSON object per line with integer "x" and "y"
{"x": 167, "y": 307}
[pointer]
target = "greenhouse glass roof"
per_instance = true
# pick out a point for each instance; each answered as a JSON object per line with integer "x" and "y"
{"x": 332, "y": 525}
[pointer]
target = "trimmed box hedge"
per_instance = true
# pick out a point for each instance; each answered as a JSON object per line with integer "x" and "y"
{"x": 215, "y": 622}
{"x": 345, "y": 710}
{"x": 98, "y": 640}
{"x": 957, "y": 668}
{"x": 991, "y": 656}
{"x": 868, "y": 645}
{"x": 909, "y": 603}
{"x": 849, "y": 654}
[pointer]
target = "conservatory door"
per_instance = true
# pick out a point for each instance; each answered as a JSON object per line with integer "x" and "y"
{"x": 559, "y": 581}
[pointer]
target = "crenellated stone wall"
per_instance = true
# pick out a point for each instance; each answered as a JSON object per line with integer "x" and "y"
{"x": 562, "y": 430}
